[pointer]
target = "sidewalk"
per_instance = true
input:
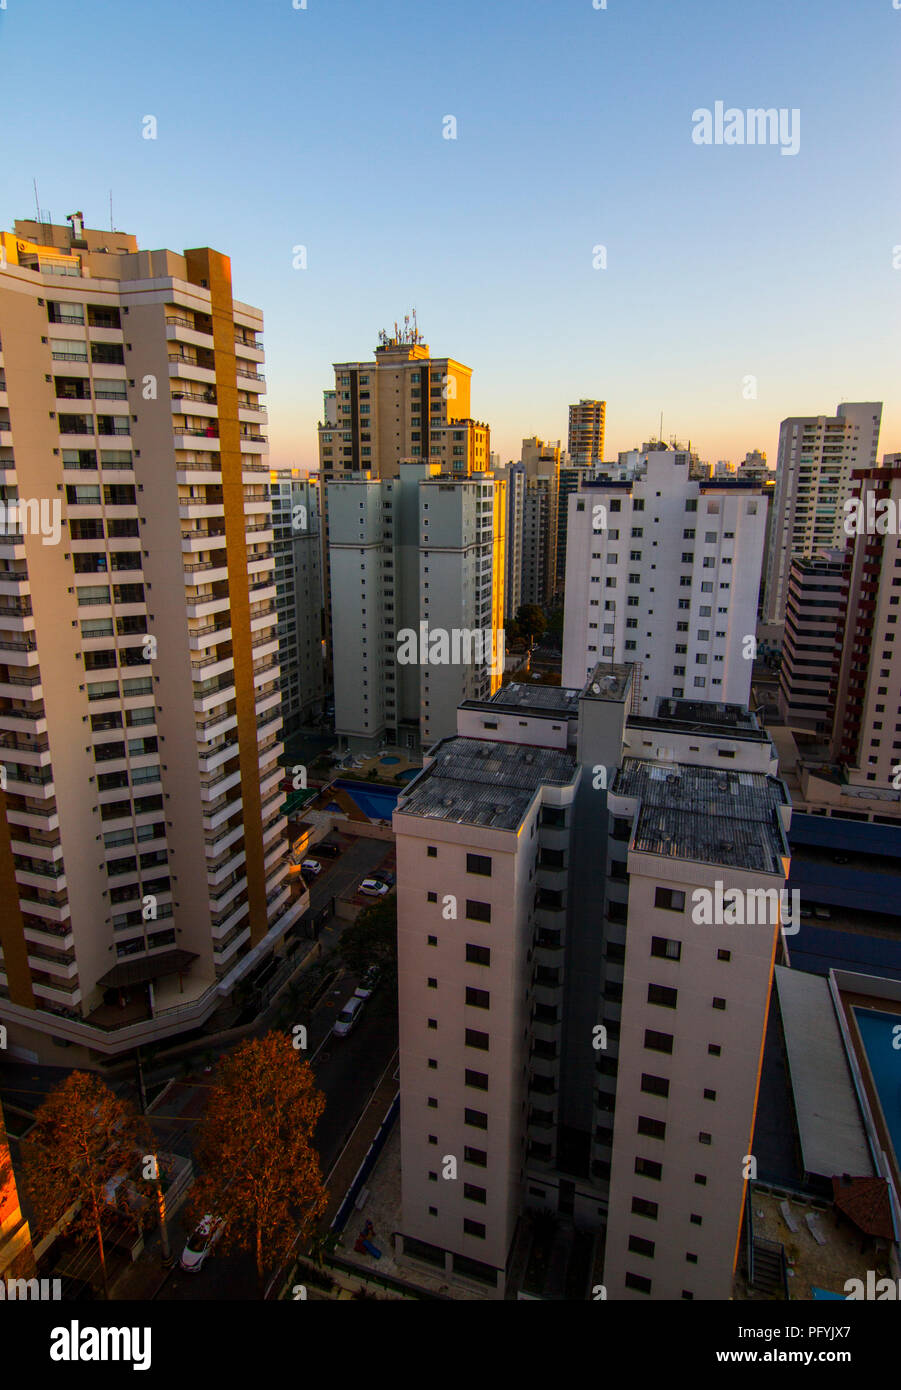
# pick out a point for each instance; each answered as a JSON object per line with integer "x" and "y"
{"x": 345, "y": 1169}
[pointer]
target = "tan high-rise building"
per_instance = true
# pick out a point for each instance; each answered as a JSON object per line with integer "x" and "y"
{"x": 142, "y": 854}
{"x": 587, "y": 421}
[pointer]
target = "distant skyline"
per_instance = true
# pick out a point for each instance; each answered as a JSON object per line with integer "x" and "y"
{"x": 323, "y": 128}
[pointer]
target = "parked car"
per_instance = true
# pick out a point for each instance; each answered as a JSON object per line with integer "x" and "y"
{"x": 311, "y": 867}
{"x": 347, "y": 1018}
{"x": 382, "y": 876}
{"x": 201, "y": 1243}
{"x": 368, "y": 983}
{"x": 373, "y": 887}
{"x": 328, "y": 851}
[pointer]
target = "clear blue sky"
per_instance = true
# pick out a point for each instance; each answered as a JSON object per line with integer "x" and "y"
{"x": 323, "y": 127}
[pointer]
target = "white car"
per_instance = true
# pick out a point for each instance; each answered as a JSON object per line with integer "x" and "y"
{"x": 368, "y": 983}
{"x": 201, "y": 1243}
{"x": 348, "y": 1016}
{"x": 311, "y": 867}
{"x": 373, "y": 887}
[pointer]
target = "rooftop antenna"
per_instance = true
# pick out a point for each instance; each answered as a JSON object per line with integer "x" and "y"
{"x": 660, "y": 435}
{"x": 37, "y": 206}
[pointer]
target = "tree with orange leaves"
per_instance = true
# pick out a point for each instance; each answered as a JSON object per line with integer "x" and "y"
{"x": 259, "y": 1171}
{"x": 83, "y": 1136}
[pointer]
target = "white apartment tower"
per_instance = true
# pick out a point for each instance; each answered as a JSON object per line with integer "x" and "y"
{"x": 412, "y": 557}
{"x": 817, "y": 454}
{"x": 142, "y": 848}
{"x": 664, "y": 571}
{"x": 298, "y": 581}
{"x": 570, "y": 1037}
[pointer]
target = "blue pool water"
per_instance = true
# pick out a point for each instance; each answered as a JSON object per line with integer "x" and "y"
{"x": 377, "y": 803}
{"x": 885, "y": 1065}
{"x": 410, "y": 773}
{"x": 389, "y": 762}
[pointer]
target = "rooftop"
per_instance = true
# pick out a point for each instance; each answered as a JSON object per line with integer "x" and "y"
{"x": 707, "y": 712}
{"x": 556, "y": 698}
{"x": 708, "y": 815}
{"x": 474, "y": 781}
{"x": 610, "y": 680}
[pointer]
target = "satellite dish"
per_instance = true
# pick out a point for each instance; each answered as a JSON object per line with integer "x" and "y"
{"x": 595, "y": 689}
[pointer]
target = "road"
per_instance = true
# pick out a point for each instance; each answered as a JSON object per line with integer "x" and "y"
{"x": 347, "y": 1070}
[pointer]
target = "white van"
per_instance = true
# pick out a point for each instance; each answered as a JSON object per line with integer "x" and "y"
{"x": 348, "y": 1016}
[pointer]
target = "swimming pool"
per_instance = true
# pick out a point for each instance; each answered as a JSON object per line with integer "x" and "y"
{"x": 410, "y": 773}
{"x": 389, "y": 762}
{"x": 377, "y": 803}
{"x": 876, "y": 1031}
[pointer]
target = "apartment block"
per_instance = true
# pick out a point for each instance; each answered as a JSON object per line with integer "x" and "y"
{"x": 515, "y": 477}
{"x": 664, "y": 571}
{"x": 298, "y": 587}
{"x": 817, "y": 455}
{"x": 557, "y": 1028}
{"x": 815, "y": 617}
{"x": 142, "y": 849}
{"x": 412, "y": 557}
{"x": 587, "y": 421}
{"x": 866, "y": 737}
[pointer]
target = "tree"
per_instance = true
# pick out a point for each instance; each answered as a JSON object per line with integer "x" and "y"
{"x": 259, "y": 1171}
{"x": 532, "y": 623}
{"x": 372, "y": 939}
{"x": 83, "y": 1136}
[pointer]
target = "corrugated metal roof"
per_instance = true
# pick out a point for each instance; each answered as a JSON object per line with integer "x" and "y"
{"x": 830, "y": 1126}
{"x": 479, "y": 782}
{"x": 832, "y": 832}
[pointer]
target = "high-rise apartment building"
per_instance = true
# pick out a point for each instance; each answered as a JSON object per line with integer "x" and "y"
{"x": 402, "y": 405}
{"x": 578, "y": 1032}
{"x": 413, "y": 556}
{"x": 515, "y": 477}
{"x": 541, "y": 462}
{"x": 664, "y": 571}
{"x": 298, "y": 585}
{"x": 817, "y": 455}
{"x": 142, "y": 854}
{"x": 815, "y": 616}
{"x": 585, "y": 443}
{"x": 866, "y": 737}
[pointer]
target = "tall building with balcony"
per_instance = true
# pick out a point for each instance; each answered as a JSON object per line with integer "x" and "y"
{"x": 866, "y": 736}
{"x": 142, "y": 854}
{"x": 817, "y": 455}
{"x": 298, "y": 582}
{"x": 418, "y": 553}
{"x": 404, "y": 404}
{"x": 571, "y": 1035}
{"x": 664, "y": 570}
{"x": 515, "y": 477}
{"x": 587, "y": 422}
{"x": 815, "y": 617}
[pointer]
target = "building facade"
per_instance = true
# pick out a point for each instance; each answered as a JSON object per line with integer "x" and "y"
{"x": 142, "y": 849}
{"x": 664, "y": 571}
{"x": 585, "y": 442}
{"x": 298, "y": 588}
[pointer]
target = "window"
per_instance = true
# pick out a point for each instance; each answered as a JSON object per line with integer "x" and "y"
{"x": 708, "y": 1094}
{"x": 663, "y": 996}
{"x": 642, "y": 1207}
{"x": 476, "y": 1039}
{"x": 474, "y": 1194}
{"x": 638, "y": 1282}
{"x": 432, "y": 982}
{"x": 669, "y": 898}
{"x": 478, "y": 998}
{"x": 704, "y": 1138}
{"x": 701, "y": 1179}
{"x": 639, "y": 1246}
{"x": 654, "y": 1085}
{"x": 647, "y": 1168}
{"x": 477, "y": 1079}
{"x": 723, "y": 955}
{"x": 478, "y": 912}
{"x": 478, "y": 864}
{"x": 477, "y": 1119}
{"x": 477, "y": 1157}
{"x": 666, "y": 948}
{"x": 658, "y": 1042}
{"x": 695, "y": 1219}
{"x": 431, "y": 941}
{"x": 714, "y": 1049}
{"x": 433, "y": 1102}
{"x": 719, "y": 1003}
{"x": 478, "y": 955}
{"x": 653, "y": 1129}
{"x": 432, "y": 851}
{"x": 474, "y": 1228}
{"x": 433, "y": 1023}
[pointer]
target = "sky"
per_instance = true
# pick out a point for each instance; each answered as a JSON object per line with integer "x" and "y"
{"x": 737, "y": 284}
